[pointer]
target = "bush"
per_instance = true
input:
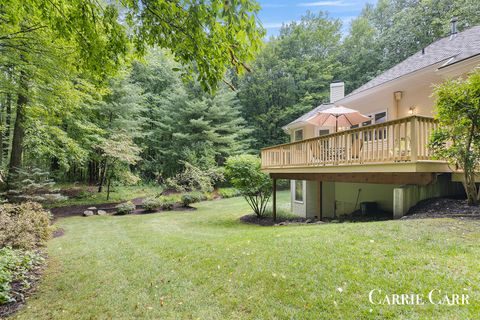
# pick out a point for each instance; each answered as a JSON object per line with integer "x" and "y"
{"x": 167, "y": 203}
{"x": 245, "y": 174}
{"x": 32, "y": 184}
{"x": 14, "y": 267}
{"x": 192, "y": 197}
{"x": 194, "y": 178}
{"x": 228, "y": 192}
{"x": 152, "y": 203}
{"x": 24, "y": 226}
{"x": 125, "y": 208}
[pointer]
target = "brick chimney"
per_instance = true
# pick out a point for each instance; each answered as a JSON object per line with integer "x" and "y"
{"x": 337, "y": 91}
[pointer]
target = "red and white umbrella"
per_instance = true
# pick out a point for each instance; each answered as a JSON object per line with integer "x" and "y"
{"x": 337, "y": 116}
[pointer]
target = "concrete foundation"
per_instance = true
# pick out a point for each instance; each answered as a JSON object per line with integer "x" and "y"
{"x": 339, "y": 198}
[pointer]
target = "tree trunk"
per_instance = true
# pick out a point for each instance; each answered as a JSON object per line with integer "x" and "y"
{"x": 8, "y": 128}
{"x": 103, "y": 176}
{"x": 470, "y": 187}
{"x": 108, "y": 186}
{"x": 18, "y": 129}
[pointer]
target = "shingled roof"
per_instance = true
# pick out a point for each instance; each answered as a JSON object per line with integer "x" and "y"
{"x": 451, "y": 49}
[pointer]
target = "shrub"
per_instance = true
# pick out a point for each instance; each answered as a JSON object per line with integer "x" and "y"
{"x": 152, "y": 203}
{"x": 194, "y": 178}
{"x": 193, "y": 197}
{"x": 125, "y": 208}
{"x": 24, "y": 226}
{"x": 14, "y": 266}
{"x": 228, "y": 192}
{"x": 32, "y": 184}
{"x": 245, "y": 174}
{"x": 167, "y": 203}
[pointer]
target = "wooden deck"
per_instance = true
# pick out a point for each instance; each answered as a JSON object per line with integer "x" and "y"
{"x": 400, "y": 141}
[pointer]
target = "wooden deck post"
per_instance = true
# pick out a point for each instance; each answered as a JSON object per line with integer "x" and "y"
{"x": 274, "y": 204}
{"x": 413, "y": 139}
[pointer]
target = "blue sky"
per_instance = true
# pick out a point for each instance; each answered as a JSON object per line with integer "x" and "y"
{"x": 274, "y": 13}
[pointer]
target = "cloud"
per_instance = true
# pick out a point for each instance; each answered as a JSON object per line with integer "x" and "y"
{"x": 324, "y": 4}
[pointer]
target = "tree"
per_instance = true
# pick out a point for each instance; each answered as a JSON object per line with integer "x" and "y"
{"x": 457, "y": 138}
{"x": 90, "y": 39}
{"x": 245, "y": 174}
{"x": 119, "y": 153}
{"x": 182, "y": 124}
{"x": 290, "y": 76}
{"x": 392, "y": 30}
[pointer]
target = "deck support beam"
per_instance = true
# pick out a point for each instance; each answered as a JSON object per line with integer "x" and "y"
{"x": 418, "y": 178}
{"x": 274, "y": 200}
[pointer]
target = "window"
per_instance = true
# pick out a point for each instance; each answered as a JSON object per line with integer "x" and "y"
{"x": 381, "y": 117}
{"x": 298, "y": 135}
{"x": 298, "y": 190}
{"x": 323, "y": 132}
{"x": 378, "y": 117}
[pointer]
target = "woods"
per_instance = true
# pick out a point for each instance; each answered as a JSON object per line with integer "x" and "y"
{"x": 160, "y": 75}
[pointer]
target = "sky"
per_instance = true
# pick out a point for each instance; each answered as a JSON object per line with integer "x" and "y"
{"x": 276, "y": 12}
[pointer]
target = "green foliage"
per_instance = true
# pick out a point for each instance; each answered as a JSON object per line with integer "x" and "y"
{"x": 167, "y": 203}
{"x": 228, "y": 192}
{"x": 192, "y": 197}
{"x": 161, "y": 202}
{"x": 194, "y": 178}
{"x": 24, "y": 226}
{"x": 125, "y": 208}
{"x": 290, "y": 76}
{"x": 208, "y": 37}
{"x": 457, "y": 138}
{"x": 245, "y": 174}
{"x": 14, "y": 267}
{"x": 152, "y": 203}
{"x": 183, "y": 124}
{"x": 32, "y": 184}
{"x": 393, "y": 30}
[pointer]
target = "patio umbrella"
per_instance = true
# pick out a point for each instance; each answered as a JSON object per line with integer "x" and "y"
{"x": 336, "y": 116}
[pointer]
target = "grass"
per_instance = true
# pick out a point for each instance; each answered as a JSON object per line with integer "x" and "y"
{"x": 90, "y": 195}
{"x": 204, "y": 264}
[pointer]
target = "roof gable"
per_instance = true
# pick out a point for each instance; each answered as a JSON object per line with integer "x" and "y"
{"x": 453, "y": 49}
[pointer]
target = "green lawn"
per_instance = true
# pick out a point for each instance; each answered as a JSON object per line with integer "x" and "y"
{"x": 206, "y": 265}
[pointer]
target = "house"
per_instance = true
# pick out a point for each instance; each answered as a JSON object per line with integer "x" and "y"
{"x": 384, "y": 160}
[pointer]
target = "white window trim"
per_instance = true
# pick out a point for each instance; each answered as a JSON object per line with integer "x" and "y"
{"x": 372, "y": 115}
{"x": 295, "y": 135}
{"x": 295, "y": 192}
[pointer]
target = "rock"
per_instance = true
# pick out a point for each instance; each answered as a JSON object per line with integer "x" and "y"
{"x": 92, "y": 208}
{"x": 282, "y": 224}
{"x": 87, "y": 213}
{"x": 319, "y": 222}
{"x": 102, "y": 212}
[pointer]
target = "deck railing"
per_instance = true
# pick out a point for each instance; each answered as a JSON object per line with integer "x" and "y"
{"x": 400, "y": 140}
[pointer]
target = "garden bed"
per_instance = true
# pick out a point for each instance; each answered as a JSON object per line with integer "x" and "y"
{"x": 281, "y": 221}
{"x": 23, "y": 287}
{"x": 443, "y": 208}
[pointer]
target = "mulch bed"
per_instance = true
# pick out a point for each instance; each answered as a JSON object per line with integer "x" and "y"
{"x": 443, "y": 208}
{"x": 21, "y": 293}
{"x": 268, "y": 221}
{"x": 77, "y": 210}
